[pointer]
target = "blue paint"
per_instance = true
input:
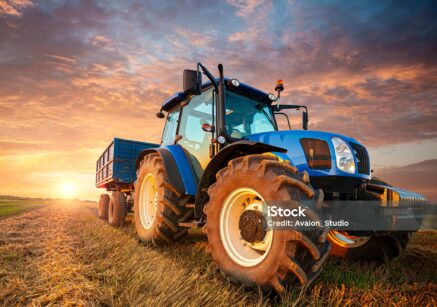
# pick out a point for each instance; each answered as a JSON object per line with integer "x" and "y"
{"x": 180, "y": 96}
{"x": 283, "y": 156}
{"x": 117, "y": 162}
{"x": 290, "y": 140}
{"x": 184, "y": 167}
{"x": 173, "y": 101}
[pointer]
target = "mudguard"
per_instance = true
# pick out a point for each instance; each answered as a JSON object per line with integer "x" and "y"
{"x": 221, "y": 159}
{"x": 179, "y": 170}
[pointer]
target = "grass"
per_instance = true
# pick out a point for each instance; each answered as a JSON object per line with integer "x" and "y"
{"x": 62, "y": 254}
{"x": 10, "y": 205}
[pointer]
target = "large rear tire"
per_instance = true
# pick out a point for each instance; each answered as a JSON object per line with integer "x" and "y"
{"x": 103, "y": 206}
{"x": 158, "y": 206}
{"x": 117, "y": 209}
{"x": 273, "y": 259}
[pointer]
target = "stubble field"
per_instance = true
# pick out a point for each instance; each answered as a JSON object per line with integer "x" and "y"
{"x": 59, "y": 252}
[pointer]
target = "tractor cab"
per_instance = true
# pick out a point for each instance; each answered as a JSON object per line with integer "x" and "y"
{"x": 206, "y": 118}
{"x": 192, "y": 119}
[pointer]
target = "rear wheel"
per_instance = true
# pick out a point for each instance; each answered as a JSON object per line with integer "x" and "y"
{"x": 158, "y": 206}
{"x": 117, "y": 209}
{"x": 103, "y": 206}
{"x": 243, "y": 248}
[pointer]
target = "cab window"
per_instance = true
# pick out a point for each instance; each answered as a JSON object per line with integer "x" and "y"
{"x": 197, "y": 112}
{"x": 171, "y": 124}
{"x": 245, "y": 116}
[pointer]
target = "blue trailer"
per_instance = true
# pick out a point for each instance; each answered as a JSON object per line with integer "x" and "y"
{"x": 116, "y": 172}
{"x": 115, "y": 168}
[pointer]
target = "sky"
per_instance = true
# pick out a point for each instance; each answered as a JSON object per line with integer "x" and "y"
{"x": 75, "y": 74}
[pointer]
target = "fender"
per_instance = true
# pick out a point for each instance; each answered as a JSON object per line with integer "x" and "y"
{"x": 221, "y": 159}
{"x": 178, "y": 167}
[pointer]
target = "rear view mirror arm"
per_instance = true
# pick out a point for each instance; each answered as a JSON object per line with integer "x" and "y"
{"x": 208, "y": 74}
{"x": 278, "y": 108}
{"x": 288, "y": 106}
{"x": 286, "y": 116}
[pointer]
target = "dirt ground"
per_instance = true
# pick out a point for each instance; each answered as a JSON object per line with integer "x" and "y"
{"x": 61, "y": 253}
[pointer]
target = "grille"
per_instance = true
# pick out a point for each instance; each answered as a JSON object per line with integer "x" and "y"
{"x": 362, "y": 158}
{"x": 317, "y": 153}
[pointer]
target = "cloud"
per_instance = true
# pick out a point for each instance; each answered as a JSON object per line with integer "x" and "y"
{"x": 75, "y": 74}
{"x": 419, "y": 177}
{"x": 14, "y": 7}
{"x": 246, "y": 7}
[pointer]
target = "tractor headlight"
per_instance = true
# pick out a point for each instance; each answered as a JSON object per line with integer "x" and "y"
{"x": 343, "y": 155}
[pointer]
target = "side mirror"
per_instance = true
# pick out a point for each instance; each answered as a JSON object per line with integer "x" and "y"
{"x": 160, "y": 114}
{"x": 305, "y": 120}
{"x": 208, "y": 128}
{"x": 192, "y": 82}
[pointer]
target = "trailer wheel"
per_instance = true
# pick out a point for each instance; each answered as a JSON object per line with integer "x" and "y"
{"x": 244, "y": 250}
{"x": 117, "y": 209}
{"x": 158, "y": 206}
{"x": 103, "y": 206}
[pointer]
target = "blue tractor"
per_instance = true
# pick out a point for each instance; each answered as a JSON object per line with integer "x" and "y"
{"x": 222, "y": 158}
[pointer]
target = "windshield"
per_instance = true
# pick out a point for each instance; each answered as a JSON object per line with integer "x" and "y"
{"x": 245, "y": 116}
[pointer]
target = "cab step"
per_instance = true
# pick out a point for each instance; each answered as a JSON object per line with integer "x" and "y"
{"x": 192, "y": 224}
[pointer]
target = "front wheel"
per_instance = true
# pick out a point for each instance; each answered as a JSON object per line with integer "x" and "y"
{"x": 243, "y": 248}
{"x": 158, "y": 206}
{"x": 373, "y": 248}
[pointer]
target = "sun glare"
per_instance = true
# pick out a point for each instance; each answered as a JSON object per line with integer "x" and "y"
{"x": 67, "y": 190}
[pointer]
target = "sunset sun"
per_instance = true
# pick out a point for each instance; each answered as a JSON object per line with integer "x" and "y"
{"x": 67, "y": 190}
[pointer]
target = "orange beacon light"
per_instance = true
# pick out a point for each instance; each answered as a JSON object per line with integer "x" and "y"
{"x": 279, "y": 87}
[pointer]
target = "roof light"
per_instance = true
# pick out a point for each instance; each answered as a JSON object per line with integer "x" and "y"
{"x": 235, "y": 82}
{"x": 272, "y": 97}
{"x": 221, "y": 139}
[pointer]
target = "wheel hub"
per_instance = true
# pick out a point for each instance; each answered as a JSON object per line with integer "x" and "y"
{"x": 252, "y": 226}
{"x": 238, "y": 228}
{"x": 148, "y": 201}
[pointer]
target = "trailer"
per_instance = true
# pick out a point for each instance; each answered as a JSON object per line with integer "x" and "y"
{"x": 116, "y": 172}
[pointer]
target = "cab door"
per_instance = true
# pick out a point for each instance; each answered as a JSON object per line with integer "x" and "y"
{"x": 196, "y": 112}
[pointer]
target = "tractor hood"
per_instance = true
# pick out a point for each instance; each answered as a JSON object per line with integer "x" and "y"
{"x": 314, "y": 152}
